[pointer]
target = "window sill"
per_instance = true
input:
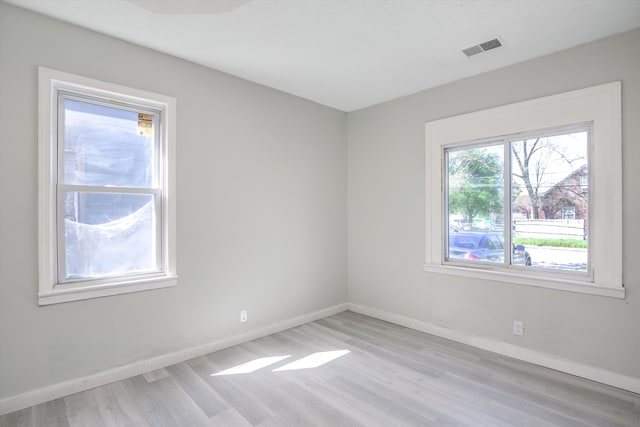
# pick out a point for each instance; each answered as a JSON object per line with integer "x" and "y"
{"x": 524, "y": 279}
{"x": 60, "y": 295}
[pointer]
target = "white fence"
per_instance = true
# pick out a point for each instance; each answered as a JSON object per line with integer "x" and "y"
{"x": 551, "y": 228}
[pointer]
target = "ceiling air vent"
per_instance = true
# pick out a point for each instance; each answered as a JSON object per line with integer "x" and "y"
{"x": 482, "y": 47}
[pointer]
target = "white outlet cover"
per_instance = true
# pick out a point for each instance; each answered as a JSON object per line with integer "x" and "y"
{"x": 518, "y": 328}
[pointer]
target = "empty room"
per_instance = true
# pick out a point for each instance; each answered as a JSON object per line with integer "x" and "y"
{"x": 319, "y": 213}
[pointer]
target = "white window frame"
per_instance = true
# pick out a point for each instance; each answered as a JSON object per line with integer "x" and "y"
{"x": 52, "y": 288}
{"x": 600, "y": 105}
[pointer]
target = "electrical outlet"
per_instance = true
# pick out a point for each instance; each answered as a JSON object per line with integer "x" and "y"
{"x": 243, "y": 315}
{"x": 518, "y": 328}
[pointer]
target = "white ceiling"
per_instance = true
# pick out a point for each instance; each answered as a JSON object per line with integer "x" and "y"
{"x": 349, "y": 54}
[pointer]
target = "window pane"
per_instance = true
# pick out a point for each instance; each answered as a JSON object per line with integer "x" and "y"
{"x": 106, "y": 146}
{"x": 550, "y": 201}
{"x": 109, "y": 234}
{"x": 475, "y": 194}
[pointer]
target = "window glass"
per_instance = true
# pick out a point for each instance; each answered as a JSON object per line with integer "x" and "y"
{"x": 109, "y": 234}
{"x": 549, "y": 199}
{"x": 104, "y": 146}
{"x": 475, "y": 203}
{"x": 107, "y": 150}
{"x": 547, "y": 193}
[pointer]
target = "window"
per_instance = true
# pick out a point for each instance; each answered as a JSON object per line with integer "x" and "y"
{"x": 106, "y": 210}
{"x": 535, "y": 178}
{"x": 530, "y": 193}
{"x": 569, "y": 212}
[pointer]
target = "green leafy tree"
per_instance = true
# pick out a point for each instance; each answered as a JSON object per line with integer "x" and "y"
{"x": 475, "y": 183}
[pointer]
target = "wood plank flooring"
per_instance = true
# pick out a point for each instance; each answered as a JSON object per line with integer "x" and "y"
{"x": 392, "y": 376}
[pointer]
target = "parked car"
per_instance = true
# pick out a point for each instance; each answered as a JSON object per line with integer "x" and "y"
{"x": 481, "y": 246}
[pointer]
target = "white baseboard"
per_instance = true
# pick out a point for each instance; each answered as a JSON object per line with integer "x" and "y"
{"x": 55, "y": 391}
{"x": 603, "y": 376}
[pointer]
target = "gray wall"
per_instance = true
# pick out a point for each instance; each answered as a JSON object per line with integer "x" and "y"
{"x": 386, "y": 169}
{"x": 261, "y": 223}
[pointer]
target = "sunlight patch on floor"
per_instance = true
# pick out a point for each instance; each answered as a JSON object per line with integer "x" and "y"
{"x": 313, "y": 360}
{"x": 252, "y": 366}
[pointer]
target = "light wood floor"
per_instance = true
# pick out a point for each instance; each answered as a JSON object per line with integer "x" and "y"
{"x": 392, "y": 376}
